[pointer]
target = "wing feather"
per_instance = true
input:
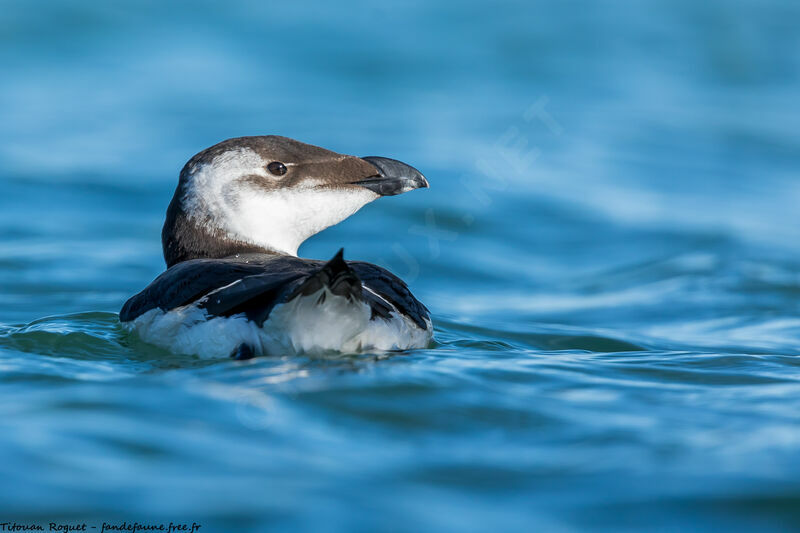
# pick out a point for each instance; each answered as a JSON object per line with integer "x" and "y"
{"x": 256, "y": 284}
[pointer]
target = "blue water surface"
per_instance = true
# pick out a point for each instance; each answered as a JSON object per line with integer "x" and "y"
{"x": 610, "y": 249}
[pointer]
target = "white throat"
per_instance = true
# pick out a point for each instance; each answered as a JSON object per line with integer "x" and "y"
{"x": 279, "y": 219}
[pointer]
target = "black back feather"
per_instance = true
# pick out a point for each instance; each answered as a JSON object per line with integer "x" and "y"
{"x": 254, "y": 284}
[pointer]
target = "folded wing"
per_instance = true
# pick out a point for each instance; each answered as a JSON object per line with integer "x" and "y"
{"x": 254, "y": 285}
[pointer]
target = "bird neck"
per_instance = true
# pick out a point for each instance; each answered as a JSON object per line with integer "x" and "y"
{"x": 183, "y": 239}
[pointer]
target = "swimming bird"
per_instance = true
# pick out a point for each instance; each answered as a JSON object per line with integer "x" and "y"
{"x": 234, "y": 285}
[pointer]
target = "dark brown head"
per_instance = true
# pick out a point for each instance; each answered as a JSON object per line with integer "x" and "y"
{"x": 271, "y": 193}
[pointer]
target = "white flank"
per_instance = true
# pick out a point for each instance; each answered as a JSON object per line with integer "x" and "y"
{"x": 300, "y": 326}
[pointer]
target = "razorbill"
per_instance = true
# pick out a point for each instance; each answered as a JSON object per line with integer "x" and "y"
{"x": 234, "y": 285}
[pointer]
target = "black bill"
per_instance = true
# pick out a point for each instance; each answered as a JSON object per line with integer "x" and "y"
{"x": 394, "y": 177}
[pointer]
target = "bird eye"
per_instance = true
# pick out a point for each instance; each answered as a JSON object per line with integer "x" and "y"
{"x": 277, "y": 168}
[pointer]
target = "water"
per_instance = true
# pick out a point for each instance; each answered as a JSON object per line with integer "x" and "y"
{"x": 610, "y": 249}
